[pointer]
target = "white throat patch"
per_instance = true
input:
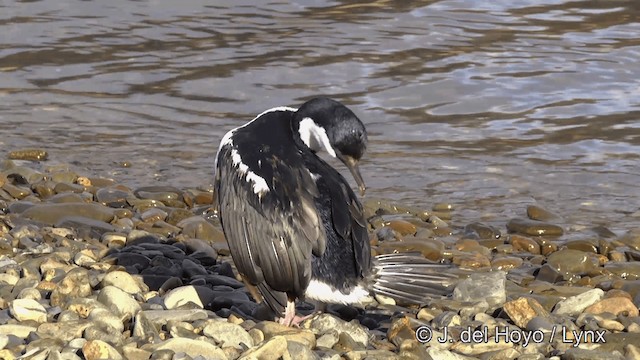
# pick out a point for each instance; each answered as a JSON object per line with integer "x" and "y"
{"x": 315, "y": 137}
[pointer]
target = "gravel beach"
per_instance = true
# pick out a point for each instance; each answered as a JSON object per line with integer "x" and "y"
{"x": 93, "y": 269}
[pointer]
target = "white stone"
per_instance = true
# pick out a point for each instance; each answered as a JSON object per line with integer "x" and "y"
{"x": 123, "y": 281}
{"x": 119, "y": 301}
{"x": 181, "y": 296}
{"x": 28, "y": 309}
{"x": 576, "y": 304}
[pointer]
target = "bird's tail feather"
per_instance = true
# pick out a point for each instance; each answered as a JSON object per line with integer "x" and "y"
{"x": 410, "y": 278}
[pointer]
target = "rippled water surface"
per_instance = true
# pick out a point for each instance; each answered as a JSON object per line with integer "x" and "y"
{"x": 490, "y": 105}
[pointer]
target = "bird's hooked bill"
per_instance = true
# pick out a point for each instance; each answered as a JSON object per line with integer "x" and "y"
{"x": 352, "y": 164}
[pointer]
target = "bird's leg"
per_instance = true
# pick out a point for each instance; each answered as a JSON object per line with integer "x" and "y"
{"x": 289, "y": 314}
{"x": 291, "y": 319}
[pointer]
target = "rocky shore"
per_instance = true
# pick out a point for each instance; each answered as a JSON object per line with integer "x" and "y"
{"x": 92, "y": 269}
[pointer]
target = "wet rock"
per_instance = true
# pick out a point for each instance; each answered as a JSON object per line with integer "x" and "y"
{"x": 51, "y": 214}
{"x": 533, "y": 227}
{"x": 506, "y": 263}
{"x": 66, "y": 187}
{"x": 402, "y": 227}
{"x": 88, "y": 228}
{"x": 198, "y": 228}
{"x": 159, "y": 193}
{"x": 432, "y": 250}
{"x": 177, "y": 215}
{"x": 386, "y": 233}
{"x": 113, "y": 196}
{"x": 481, "y": 231}
{"x": 29, "y": 155}
{"x": 549, "y": 274}
{"x": 472, "y": 261}
{"x": 630, "y": 239}
{"x": 523, "y": 309}
{"x": 573, "y": 262}
{"x": 575, "y": 305}
{"x": 521, "y": 243}
{"x": 488, "y": 286}
{"x": 626, "y": 270}
{"x": 17, "y": 192}
{"x": 535, "y": 212}
{"x": 153, "y": 215}
{"x": 582, "y": 245}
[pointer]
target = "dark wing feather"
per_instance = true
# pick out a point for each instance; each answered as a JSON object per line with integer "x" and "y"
{"x": 347, "y": 217}
{"x": 271, "y": 236}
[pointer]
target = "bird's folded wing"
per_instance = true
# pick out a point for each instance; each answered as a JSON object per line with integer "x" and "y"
{"x": 272, "y": 235}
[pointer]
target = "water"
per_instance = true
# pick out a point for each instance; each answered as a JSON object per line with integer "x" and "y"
{"x": 489, "y": 105}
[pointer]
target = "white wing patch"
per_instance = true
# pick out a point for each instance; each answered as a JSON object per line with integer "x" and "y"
{"x": 259, "y": 185}
{"x": 315, "y": 137}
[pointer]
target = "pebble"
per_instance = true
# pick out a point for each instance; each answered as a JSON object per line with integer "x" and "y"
{"x": 521, "y": 243}
{"x": 489, "y": 286}
{"x": 626, "y": 270}
{"x": 576, "y": 304}
{"x": 190, "y": 347}
{"x": 323, "y": 323}
{"x": 181, "y": 296}
{"x": 51, "y": 214}
{"x": 227, "y": 334}
{"x": 29, "y": 154}
{"x": 523, "y": 309}
{"x": 533, "y": 227}
{"x": 119, "y": 301}
{"x": 123, "y": 281}
{"x": 75, "y": 284}
{"x": 28, "y": 309}
{"x": 99, "y": 350}
{"x": 614, "y": 305}
{"x": 402, "y": 227}
{"x": 573, "y": 262}
{"x": 271, "y": 329}
{"x": 535, "y": 212}
{"x": 272, "y": 349}
{"x": 90, "y": 269}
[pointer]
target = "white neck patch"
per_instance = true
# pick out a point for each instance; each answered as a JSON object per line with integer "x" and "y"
{"x": 315, "y": 137}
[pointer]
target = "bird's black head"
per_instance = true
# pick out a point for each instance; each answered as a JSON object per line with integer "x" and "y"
{"x": 323, "y": 124}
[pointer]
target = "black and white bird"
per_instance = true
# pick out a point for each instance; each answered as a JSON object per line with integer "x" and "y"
{"x": 294, "y": 227}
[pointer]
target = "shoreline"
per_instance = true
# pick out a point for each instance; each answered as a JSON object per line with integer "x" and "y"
{"x": 90, "y": 268}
